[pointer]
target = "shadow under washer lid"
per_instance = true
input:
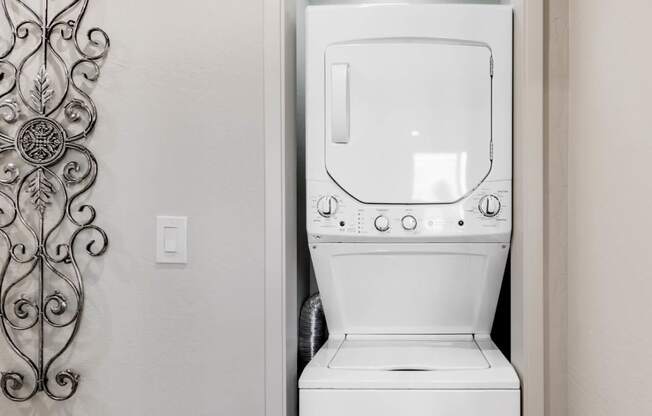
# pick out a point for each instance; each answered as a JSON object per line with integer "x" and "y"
{"x": 404, "y": 354}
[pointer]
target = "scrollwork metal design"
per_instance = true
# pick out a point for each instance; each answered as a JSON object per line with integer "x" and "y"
{"x": 46, "y": 172}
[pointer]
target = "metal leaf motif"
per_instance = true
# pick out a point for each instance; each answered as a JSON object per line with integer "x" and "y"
{"x": 42, "y": 93}
{"x": 40, "y": 191}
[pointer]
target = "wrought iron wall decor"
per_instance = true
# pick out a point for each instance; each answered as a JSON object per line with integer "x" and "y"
{"x": 47, "y": 63}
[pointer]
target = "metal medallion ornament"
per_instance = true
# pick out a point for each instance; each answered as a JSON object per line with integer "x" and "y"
{"x": 41, "y": 141}
{"x": 47, "y": 229}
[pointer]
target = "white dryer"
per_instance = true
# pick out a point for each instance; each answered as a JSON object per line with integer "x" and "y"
{"x": 408, "y": 161}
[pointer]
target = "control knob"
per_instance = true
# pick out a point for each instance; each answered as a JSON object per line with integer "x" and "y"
{"x": 382, "y": 223}
{"x": 409, "y": 223}
{"x": 327, "y": 206}
{"x": 489, "y": 205}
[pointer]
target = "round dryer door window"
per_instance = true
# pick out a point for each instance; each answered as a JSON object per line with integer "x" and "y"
{"x": 408, "y": 121}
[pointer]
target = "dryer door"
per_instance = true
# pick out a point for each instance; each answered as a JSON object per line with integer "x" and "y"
{"x": 408, "y": 121}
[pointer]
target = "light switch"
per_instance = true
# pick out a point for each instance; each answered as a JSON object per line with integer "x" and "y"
{"x": 170, "y": 235}
{"x": 171, "y": 240}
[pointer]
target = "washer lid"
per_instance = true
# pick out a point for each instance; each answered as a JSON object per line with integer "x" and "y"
{"x": 398, "y": 353}
{"x": 408, "y": 121}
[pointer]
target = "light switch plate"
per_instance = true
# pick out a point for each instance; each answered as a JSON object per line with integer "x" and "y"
{"x": 171, "y": 240}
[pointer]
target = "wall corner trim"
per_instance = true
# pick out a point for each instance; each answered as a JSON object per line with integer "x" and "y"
{"x": 280, "y": 209}
{"x": 528, "y": 242}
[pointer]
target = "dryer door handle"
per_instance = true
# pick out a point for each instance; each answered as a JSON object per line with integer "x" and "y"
{"x": 340, "y": 106}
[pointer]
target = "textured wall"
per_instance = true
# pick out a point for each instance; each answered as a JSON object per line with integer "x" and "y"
{"x": 180, "y": 133}
{"x": 610, "y": 148}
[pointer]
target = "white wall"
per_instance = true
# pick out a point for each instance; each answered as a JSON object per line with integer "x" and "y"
{"x": 180, "y": 132}
{"x": 610, "y": 148}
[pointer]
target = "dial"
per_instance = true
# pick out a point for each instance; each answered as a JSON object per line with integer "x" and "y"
{"x": 327, "y": 206}
{"x": 382, "y": 223}
{"x": 409, "y": 223}
{"x": 489, "y": 205}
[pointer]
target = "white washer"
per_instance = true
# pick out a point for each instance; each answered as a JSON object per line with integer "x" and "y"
{"x": 408, "y": 148}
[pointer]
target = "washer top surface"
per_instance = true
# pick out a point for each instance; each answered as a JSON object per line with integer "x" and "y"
{"x": 460, "y": 362}
{"x": 410, "y": 354}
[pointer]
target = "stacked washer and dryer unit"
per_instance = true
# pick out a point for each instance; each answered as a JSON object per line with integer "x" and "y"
{"x": 409, "y": 185}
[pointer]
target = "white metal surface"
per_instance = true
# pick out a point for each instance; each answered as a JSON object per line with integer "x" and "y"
{"x": 409, "y": 402}
{"x": 409, "y": 288}
{"x": 327, "y": 391}
{"x": 419, "y": 111}
{"x": 373, "y": 151}
{"x": 380, "y": 107}
{"x": 410, "y": 353}
{"x": 353, "y": 221}
{"x": 498, "y": 376}
{"x": 408, "y": 144}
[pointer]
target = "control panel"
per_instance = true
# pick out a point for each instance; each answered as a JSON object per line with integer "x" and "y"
{"x": 333, "y": 215}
